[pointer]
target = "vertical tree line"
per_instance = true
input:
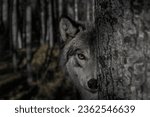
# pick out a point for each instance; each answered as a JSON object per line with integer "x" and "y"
{"x": 14, "y": 33}
{"x": 50, "y": 30}
{"x": 29, "y": 38}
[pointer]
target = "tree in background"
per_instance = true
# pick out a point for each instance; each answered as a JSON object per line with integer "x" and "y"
{"x": 28, "y": 39}
{"x": 14, "y": 33}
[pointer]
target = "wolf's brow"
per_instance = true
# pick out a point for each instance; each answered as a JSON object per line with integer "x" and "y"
{"x": 70, "y": 52}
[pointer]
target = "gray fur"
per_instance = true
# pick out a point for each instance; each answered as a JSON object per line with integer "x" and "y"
{"x": 78, "y": 41}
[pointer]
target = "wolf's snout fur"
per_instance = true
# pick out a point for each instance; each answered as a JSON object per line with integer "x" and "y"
{"x": 78, "y": 56}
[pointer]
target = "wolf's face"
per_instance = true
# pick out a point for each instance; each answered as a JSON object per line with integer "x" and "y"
{"x": 78, "y": 57}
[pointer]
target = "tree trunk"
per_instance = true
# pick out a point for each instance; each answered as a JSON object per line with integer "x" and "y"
{"x": 24, "y": 24}
{"x": 5, "y": 11}
{"x": 19, "y": 40}
{"x": 14, "y": 33}
{"x": 76, "y": 9}
{"x": 50, "y": 25}
{"x": 60, "y": 7}
{"x": 55, "y": 20}
{"x": 88, "y": 10}
{"x": 1, "y": 4}
{"x": 123, "y": 48}
{"x": 42, "y": 41}
{"x": 28, "y": 39}
{"x": 93, "y": 10}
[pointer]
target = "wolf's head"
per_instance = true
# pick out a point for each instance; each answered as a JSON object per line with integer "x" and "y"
{"x": 78, "y": 55}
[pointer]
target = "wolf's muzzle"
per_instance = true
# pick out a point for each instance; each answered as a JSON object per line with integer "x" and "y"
{"x": 92, "y": 84}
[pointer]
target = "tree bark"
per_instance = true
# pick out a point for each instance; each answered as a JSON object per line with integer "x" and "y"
{"x": 123, "y": 48}
{"x": 60, "y": 2}
{"x": 55, "y": 20}
{"x": 42, "y": 41}
{"x": 5, "y": 11}
{"x": 76, "y": 9}
{"x": 50, "y": 25}
{"x": 28, "y": 40}
{"x": 88, "y": 10}
{"x": 14, "y": 33}
{"x": 93, "y": 10}
{"x": 1, "y": 4}
{"x": 19, "y": 40}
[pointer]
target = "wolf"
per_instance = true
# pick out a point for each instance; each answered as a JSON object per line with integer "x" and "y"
{"x": 78, "y": 56}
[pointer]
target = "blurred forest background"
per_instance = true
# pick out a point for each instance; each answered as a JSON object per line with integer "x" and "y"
{"x": 30, "y": 47}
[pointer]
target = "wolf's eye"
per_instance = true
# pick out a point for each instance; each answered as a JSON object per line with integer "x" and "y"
{"x": 81, "y": 56}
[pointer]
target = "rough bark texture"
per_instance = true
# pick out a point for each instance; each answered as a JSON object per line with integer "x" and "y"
{"x": 123, "y": 48}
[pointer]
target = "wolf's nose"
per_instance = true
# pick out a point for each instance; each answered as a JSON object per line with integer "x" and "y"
{"x": 92, "y": 83}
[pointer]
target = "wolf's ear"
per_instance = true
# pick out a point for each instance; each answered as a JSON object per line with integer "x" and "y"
{"x": 69, "y": 28}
